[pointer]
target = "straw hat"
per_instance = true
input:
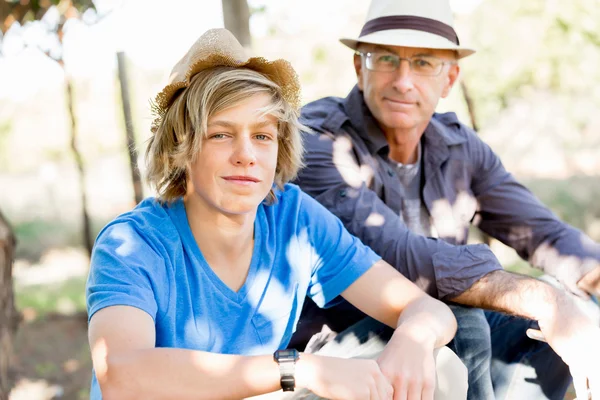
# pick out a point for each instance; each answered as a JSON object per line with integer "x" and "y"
{"x": 218, "y": 47}
{"x": 410, "y": 23}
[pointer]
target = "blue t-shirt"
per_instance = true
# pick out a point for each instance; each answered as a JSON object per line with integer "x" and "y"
{"x": 148, "y": 258}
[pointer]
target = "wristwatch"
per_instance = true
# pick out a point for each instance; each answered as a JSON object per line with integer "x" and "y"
{"x": 286, "y": 359}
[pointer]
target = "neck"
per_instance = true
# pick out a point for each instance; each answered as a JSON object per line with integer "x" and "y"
{"x": 222, "y": 238}
{"x": 404, "y": 144}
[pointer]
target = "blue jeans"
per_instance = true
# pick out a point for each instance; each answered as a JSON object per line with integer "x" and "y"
{"x": 503, "y": 363}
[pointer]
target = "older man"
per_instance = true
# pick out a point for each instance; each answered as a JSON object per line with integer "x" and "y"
{"x": 398, "y": 174}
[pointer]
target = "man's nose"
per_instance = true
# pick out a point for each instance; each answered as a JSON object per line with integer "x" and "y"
{"x": 403, "y": 81}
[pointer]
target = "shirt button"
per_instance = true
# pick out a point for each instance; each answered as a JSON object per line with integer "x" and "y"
{"x": 390, "y": 172}
{"x": 343, "y": 193}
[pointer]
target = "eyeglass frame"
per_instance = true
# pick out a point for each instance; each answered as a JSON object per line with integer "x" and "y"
{"x": 366, "y": 54}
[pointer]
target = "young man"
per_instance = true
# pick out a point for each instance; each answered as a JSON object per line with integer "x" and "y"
{"x": 396, "y": 173}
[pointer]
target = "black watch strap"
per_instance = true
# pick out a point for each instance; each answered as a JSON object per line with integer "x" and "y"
{"x": 286, "y": 359}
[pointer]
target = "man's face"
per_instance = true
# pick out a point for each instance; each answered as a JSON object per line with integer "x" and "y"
{"x": 401, "y": 99}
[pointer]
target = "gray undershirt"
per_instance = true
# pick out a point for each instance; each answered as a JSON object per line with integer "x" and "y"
{"x": 414, "y": 214}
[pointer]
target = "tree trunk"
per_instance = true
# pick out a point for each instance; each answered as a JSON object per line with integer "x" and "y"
{"x": 131, "y": 147}
{"x": 8, "y": 314}
{"x": 236, "y": 17}
{"x": 85, "y": 218}
{"x": 470, "y": 105}
{"x": 485, "y": 238}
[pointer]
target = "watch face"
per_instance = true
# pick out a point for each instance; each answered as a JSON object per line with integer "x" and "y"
{"x": 287, "y": 354}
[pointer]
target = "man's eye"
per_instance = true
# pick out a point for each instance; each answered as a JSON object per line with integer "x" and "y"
{"x": 422, "y": 63}
{"x": 386, "y": 59}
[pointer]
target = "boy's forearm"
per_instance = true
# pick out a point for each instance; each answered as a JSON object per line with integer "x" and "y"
{"x": 166, "y": 373}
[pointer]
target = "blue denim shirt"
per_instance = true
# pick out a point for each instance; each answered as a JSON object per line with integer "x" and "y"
{"x": 464, "y": 183}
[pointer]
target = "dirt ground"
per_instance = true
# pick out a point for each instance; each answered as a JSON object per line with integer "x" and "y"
{"x": 52, "y": 359}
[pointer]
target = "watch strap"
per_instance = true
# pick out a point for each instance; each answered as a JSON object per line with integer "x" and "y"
{"x": 286, "y": 360}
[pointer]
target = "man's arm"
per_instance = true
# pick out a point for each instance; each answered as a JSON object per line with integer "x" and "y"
{"x": 566, "y": 328}
{"x": 512, "y": 294}
{"x": 510, "y": 213}
{"x": 440, "y": 269}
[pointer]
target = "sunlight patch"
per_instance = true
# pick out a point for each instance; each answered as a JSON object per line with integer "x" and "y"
{"x": 302, "y": 256}
{"x": 454, "y": 220}
{"x": 375, "y": 219}
{"x": 352, "y": 173}
{"x": 122, "y": 233}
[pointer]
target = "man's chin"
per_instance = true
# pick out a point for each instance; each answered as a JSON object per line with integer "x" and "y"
{"x": 399, "y": 122}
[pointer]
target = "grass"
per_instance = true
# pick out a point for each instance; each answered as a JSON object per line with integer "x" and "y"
{"x": 36, "y": 236}
{"x": 64, "y": 298}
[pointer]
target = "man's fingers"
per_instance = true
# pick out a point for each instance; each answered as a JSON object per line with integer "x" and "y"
{"x": 580, "y": 385}
{"x": 594, "y": 385}
{"x": 590, "y": 282}
{"x": 579, "y": 291}
{"x": 535, "y": 334}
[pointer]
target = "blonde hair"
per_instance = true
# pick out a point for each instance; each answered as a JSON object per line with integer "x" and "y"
{"x": 179, "y": 131}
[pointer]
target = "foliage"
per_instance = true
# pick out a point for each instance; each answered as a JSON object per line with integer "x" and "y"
{"x": 573, "y": 200}
{"x": 23, "y": 11}
{"x": 547, "y": 45}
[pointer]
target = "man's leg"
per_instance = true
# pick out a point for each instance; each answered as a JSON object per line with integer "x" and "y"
{"x": 472, "y": 344}
{"x": 523, "y": 368}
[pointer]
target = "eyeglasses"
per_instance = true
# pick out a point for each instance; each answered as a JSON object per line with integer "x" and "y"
{"x": 419, "y": 65}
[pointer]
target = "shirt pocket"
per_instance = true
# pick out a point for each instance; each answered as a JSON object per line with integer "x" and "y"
{"x": 276, "y": 318}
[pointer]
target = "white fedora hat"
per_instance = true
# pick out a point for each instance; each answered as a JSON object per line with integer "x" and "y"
{"x": 410, "y": 23}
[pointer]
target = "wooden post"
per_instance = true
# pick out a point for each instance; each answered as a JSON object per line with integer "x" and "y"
{"x": 485, "y": 238}
{"x": 131, "y": 148}
{"x": 87, "y": 226}
{"x": 8, "y": 313}
{"x": 470, "y": 105}
{"x": 236, "y": 17}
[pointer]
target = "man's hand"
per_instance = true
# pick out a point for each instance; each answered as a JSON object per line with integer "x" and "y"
{"x": 580, "y": 276}
{"x": 576, "y": 339}
{"x": 408, "y": 363}
{"x": 342, "y": 379}
{"x": 590, "y": 282}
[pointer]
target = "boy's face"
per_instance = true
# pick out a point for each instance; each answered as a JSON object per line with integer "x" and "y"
{"x": 235, "y": 168}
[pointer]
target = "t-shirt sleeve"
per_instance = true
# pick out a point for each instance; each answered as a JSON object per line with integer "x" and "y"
{"x": 340, "y": 257}
{"x": 125, "y": 270}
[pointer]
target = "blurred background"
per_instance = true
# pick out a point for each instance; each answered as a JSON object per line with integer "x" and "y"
{"x": 76, "y": 78}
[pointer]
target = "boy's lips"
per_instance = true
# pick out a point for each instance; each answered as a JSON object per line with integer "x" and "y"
{"x": 243, "y": 179}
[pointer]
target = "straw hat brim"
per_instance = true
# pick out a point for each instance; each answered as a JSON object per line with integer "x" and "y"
{"x": 408, "y": 38}
{"x": 279, "y": 71}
